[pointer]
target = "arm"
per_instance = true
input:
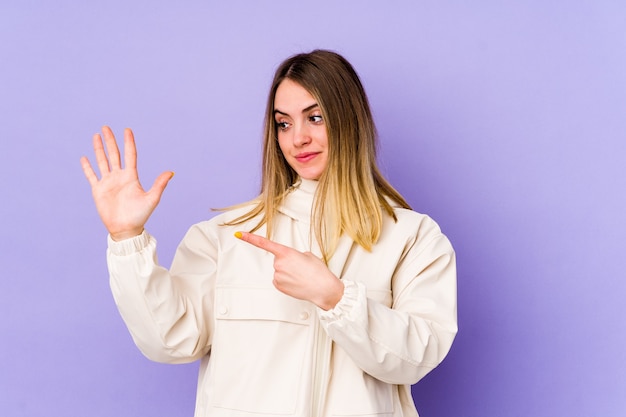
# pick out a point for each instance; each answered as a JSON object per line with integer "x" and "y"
{"x": 402, "y": 343}
{"x": 398, "y": 344}
{"x": 168, "y": 313}
{"x": 161, "y": 310}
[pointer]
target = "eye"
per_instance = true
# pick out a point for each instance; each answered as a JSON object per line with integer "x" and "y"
{"x": 282, "y": 126}
{"x": 316, "y": 119}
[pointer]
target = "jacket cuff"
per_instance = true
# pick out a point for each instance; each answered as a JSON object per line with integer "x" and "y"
{"x": 345, "y": 306}
{"x": 129, "y": 246}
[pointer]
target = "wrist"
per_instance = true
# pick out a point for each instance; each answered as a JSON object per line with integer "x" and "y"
{"x": 125, "y": 234}
{"x": 333, "y": 297}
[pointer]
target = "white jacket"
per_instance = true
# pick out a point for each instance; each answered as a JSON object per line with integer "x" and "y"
{"x": 264, "y": 353}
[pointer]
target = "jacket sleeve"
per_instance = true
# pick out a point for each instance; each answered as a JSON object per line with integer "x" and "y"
{"x": 402, "y": 343}
{"x": 168, "y": 313}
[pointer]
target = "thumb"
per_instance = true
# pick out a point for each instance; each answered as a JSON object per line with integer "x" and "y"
{"x": 160, "y": 183}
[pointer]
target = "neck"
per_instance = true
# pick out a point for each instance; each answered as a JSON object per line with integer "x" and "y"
{"x": 308, "y": 186}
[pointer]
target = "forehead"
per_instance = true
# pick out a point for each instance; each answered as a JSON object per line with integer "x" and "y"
{"x": 292, "y": 97}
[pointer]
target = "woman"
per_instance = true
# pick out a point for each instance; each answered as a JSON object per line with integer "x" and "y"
{"x": 339, "y": 297}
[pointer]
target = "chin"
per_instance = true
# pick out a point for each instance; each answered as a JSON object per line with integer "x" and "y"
{"x": 309, "y": 174}
{"x": 313, "y": 177}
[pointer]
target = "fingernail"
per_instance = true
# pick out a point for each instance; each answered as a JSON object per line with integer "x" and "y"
{"x": 238, "y": 235}
{"x": 172, "y": 175}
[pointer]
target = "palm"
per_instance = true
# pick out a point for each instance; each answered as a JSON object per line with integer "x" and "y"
{"x": 122, "y": 203}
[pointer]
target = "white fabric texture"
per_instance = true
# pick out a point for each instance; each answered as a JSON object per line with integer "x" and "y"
{"x": 264, "y": 353}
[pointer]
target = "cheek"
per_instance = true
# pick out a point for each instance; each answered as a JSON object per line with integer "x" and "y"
{"x": 283, "y": 145}
{"x": 325, "y": 162}
{"x": 323, "y": 137}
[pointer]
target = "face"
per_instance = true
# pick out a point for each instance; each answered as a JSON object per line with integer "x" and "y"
{"x": 301, "y": 130}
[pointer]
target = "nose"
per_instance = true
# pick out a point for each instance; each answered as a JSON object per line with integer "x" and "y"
{"x": 301, "y": 135}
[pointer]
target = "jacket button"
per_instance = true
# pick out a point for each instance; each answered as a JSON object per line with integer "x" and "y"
{"x": 304, "y": 315}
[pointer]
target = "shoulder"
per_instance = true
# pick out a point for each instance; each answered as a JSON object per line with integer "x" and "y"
{"x": 414, "y": 222}
{"x": 212, "y": 236}
{"x": 413, "y": 229}
{"x": 217, "y": 225}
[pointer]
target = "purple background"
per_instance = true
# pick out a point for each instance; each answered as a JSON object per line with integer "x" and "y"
{"x": 505, "y": 121}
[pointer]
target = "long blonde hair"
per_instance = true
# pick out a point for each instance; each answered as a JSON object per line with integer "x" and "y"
{"x": 352, "y": 195}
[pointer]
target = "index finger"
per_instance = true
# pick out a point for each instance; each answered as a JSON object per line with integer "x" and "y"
{"x": 263, "y": 243}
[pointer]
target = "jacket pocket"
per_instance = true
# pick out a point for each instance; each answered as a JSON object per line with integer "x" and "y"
{"x": 261, "y": 343}
{"x": 353, "y": 392}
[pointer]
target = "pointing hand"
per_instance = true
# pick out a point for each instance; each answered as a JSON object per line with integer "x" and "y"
{"x": 298, "y": 274}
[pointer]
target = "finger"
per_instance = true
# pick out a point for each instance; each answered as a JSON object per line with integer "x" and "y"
{"x": 159, "y": 185}
{"x": 263, "y": 243}
{"x": 88, "y": 170}
{"x": 101, "y": 156}
{"x": 112, "y": 149}
{"x": 130, "y": 149}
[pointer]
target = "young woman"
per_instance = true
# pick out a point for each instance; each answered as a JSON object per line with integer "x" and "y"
{"x": 325, "y": 296}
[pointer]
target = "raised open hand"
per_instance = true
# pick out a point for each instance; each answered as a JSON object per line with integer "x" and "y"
{"x": 298, "y": 274}
{"x": 121, "y": 201}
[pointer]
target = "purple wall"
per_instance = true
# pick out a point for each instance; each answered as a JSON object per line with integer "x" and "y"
{"x": 506, "y": 123}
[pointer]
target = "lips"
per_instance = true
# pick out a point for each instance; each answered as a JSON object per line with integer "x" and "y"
{"x": 306, "y": 156}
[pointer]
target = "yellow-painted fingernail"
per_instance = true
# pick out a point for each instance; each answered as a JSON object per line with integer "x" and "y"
{"x": 238, "y": 235}
{"x": 172, "y": 175}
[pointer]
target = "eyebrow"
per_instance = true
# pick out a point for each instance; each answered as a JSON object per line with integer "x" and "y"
{"x": 311, "y": 107}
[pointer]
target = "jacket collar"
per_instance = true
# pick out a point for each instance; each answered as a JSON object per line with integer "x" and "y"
{"x": 298, "y": 205}
{"x": 299, "y": 202}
